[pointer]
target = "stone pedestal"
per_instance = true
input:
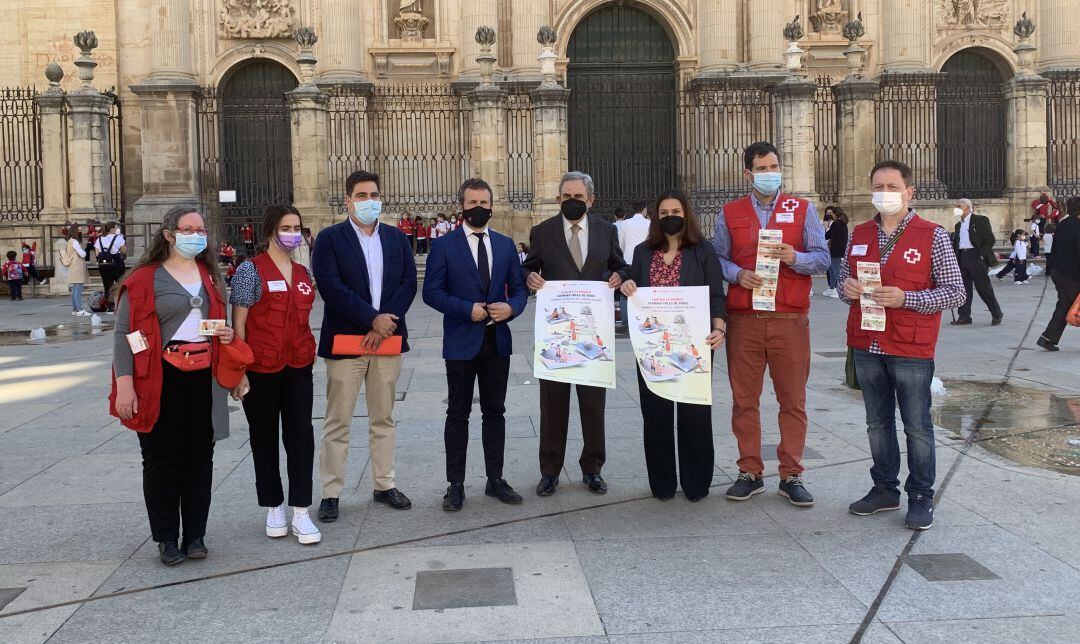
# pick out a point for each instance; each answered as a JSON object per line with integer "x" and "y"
{"x": 311, "y": 179}
{"x": 88, "y": 150}
{"x": 551, "y": 151}
{"x": 855, "y": 102}
{"x": 489, "y": 148}
{"x": 170, "y": 153}
{"x": 1025, "y": 161}
{"x": 795, "y": 127}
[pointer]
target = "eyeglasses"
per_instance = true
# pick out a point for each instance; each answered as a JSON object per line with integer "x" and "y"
{"x": 187, "y": 230}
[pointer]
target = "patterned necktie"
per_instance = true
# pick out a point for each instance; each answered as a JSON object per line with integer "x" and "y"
{"x": 482, "y": 263}
{"x": 575, "y": 246}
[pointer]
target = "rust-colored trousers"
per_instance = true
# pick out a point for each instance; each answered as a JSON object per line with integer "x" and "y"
{"x": 781, "y": 343}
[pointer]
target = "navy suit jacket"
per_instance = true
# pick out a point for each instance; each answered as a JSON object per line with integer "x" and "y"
{"x": 452, "y": 285}
{"x": 342, "y": 278}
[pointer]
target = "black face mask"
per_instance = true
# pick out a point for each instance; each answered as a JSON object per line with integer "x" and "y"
{"x": 477, "y": 216}
{"x": 573, "y": 209}
{"x": 672, "y": 225}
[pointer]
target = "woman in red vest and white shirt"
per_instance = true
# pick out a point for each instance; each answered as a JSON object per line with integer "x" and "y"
{"x": 272, "y": 298}
{"x": 166, "y": 378}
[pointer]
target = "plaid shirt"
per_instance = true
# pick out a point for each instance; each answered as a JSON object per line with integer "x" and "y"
{"x": 948, "y": 291}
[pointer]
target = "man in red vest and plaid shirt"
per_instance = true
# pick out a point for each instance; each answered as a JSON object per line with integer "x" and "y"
{"x": 775, "y": 336}
{"x": 919, "y": 279}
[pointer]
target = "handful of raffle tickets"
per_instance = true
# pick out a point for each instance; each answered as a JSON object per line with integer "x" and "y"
{"x": 768, "y": 269}
{"x": 873, "y": 314}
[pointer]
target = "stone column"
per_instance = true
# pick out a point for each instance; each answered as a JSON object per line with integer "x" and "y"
{"x": 551, "y": 151}
{"x": 342, "y": 55}
{"x": 54, "y": 165}
{"x": 1059, "y": 34}
{"x": 718, "y": 48}
{"x": 475, "y": 13}
{"x": 905, "y": 35}
{"x": 858, "y": 148}
{"x": 170, "y": 55}
{"x": 489, "y": 147}
{"x": 88, "y": 149}
{"x": 528, "y": 17}
{"x": 795, "y": 120}
{"x": 765, "y": 41}
{"x": 1025, "y": 122}
{"x": 311, "y": 179}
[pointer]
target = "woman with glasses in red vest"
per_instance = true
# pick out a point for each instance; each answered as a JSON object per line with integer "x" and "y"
{"x": 171, "y": 378}
{"x": 272, "y": 296}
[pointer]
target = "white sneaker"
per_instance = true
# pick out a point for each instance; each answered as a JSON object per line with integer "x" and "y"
{"x": 303, "y": 528}
{"x": 830, "y": 292}
{"x": 275, "y": 522}
{"x": 76, "y": 313}
{"x": 83, "y": 313}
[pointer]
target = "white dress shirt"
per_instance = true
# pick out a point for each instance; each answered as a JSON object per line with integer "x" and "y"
{"x": 583, "y": 234}
{"x": 965, "y": 234}
{"x": 372, "y": 247}
{"x": 474, "y": 245}
{"x": 634, "y": 231}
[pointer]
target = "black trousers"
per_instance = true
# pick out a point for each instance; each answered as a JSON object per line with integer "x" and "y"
{"x": 554, "y": 421}
{"x": 15, "y": 286}
{"x": 696, "y": 460}
{"x": 1067, "y": 291}
{"x": 109, "y": 277}
{"x": 286, "y": 395}
{"x": 178, "y": 456}
{"x": 1020, "y": 265}
{"x": 492, "y": 372}
{"x": 976, "y": 274}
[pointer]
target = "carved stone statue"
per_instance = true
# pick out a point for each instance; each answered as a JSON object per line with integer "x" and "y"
{"x": 256, "y": 19}
{"x": 973, "y": 14}
{"x": 830, "y": 17}
{"x": 411, "y": 22}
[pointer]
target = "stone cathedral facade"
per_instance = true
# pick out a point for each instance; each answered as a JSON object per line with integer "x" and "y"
{"x": 225, "y": 108}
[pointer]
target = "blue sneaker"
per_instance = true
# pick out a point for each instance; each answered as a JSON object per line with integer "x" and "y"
{"x": 920, "y": 514}
{"x": 876, "y": 500}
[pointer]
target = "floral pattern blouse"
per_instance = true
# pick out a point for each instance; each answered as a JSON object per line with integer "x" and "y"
{"x": 660, "y": 274}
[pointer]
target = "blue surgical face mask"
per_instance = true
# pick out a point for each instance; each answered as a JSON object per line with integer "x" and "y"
{"x": 768, "y": 183}
{"x": 367, "y": 212}
{"x": 190, "y": 246}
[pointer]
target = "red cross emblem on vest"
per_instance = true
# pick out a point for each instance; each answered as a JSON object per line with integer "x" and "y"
{"x": 304, "y": 288}
{"x": 912, "y": 256}
{"x": 789, "y": 205}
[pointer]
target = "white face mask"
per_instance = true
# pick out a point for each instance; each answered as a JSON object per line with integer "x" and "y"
{"x": 888, "y": 203}
{"x": 958, "y": 212}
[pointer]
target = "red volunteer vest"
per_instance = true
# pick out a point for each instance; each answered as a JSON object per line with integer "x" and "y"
{"x": 142, "y": 316}
{"x": 277, "y": 326}
{"x": 792, "y": 289}
{"x": 907, "y": 333}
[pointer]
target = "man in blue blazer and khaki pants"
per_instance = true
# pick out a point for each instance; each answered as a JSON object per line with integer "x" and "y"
{"x": 473, "y": 277}
{"x": 367, "y": 278}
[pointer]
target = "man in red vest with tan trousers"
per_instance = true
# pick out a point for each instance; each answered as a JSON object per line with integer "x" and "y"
{"x": 768, "y": 317}
{"x": 909, "y": 275}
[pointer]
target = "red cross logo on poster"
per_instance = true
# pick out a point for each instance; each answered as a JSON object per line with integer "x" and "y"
{"x": 912, "y": 256}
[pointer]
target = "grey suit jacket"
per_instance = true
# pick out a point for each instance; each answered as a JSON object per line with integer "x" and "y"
{"x": 550, "y": 256}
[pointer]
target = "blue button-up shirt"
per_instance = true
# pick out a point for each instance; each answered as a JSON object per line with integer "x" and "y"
{"x": 372, "y": 247}
{"x": 813, "y": 260}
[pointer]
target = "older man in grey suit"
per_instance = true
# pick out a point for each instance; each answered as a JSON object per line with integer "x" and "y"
{"x": 573, "y": 245}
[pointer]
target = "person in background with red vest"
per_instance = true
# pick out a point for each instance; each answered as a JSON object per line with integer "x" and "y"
{"x": 406, "y": 226}
{"x": 272, "y": 298}
{"x": 778, "y": 339}
{"x": 920, "y": 278}
{"x": 167, "y": 383}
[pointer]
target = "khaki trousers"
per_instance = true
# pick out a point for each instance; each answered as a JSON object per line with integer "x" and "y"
{"x": 344, "y": 377}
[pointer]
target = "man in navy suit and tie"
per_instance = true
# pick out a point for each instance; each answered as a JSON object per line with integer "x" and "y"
{"x": 473, "y": 278}
{"x": 367, "y": 278}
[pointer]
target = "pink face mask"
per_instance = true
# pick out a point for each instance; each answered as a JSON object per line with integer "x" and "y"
{"x": 289, "y": 241}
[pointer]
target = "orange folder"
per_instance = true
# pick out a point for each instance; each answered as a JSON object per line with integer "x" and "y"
{"x": 352, "y": 345}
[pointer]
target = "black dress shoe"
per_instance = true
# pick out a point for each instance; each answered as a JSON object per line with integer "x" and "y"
{"x": 393, "y": 498}
{"x": 454, "y": 497}
{"x": 694, "y": 498}
{"x": 961, "y": 322}
{"x": 193, "y": 548}
{"x": 996, "y": 321}
{"x": 328, "y": 510}
{"x": 1046, "y": 344}
{"x": 170, "y": 553}
{"x": 596, "y": 483}
{"x": 502, "y": 491}
{"x": 547, "y": 485}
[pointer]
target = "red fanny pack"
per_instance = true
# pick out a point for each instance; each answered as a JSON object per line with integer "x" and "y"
{"x": 190, "y": 356}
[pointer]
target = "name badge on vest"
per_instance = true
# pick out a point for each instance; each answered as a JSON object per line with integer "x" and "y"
{"x": 785, "y": 217}
{"x": 277, "y": 286}
{"x": 859, "y": 250}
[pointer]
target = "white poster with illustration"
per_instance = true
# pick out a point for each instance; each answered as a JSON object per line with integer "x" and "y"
{"x": 668, "y": 327}
{"x": 575, "y": 333}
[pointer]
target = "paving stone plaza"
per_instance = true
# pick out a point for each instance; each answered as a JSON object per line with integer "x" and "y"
{"x": 1001, "y": 564}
